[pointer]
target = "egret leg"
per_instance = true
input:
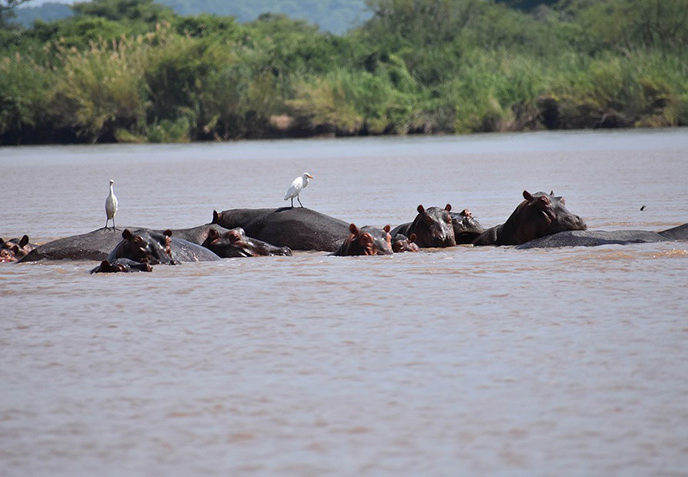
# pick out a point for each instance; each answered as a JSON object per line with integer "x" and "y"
{"x": 297, "y": 198}
{"x": 292, "y": 202}
{"x": 113, "y": 224}
{"x": 106, "y": 221}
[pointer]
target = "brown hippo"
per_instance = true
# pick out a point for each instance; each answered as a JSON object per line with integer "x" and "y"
{"x": 402, "y": 243}
{"x": 15, "y": 249}
{"x": 433, "y": 227}
{"x": 366, "y": 241}
{"x": 298, "y": 228}
{"x": 540, "y": 214}
{"x": 235, "y": 243}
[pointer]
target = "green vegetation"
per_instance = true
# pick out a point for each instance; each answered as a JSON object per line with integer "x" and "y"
{"x": 136, "y": 71}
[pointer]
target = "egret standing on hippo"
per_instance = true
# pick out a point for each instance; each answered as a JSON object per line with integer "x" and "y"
{"x": 296, "y": 187}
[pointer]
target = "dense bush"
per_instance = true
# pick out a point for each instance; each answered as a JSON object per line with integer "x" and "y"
{"x": 125, "y": 70}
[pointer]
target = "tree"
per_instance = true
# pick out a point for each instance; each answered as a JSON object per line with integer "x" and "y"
{"x": 6, "y": 10}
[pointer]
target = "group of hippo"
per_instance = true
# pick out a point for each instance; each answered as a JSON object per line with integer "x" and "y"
{"x": 540, "y": 220}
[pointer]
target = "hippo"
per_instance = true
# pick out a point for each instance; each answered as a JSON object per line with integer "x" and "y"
{"x": 98, "y": 244}
{"x": 466, "y": 227}
{"x": 540, "y": 214}
{"x": 235, "y": 243}
{"x": 298, "y": 228}
{"x": 593, "y": 238}
{"x": 402, "y": 243}
{"x": 15, "y": 249}
{"x": 199, "y": 234}
{"x": 123, "y": 265}
{"x": 433, "y": 227}
{"x": 366, "y": 241}
{"x": 157, "y": 248}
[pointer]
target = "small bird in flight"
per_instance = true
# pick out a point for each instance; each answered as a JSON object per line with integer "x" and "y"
{"x": 296, "y": 187}
{"x": 111, "y": 206}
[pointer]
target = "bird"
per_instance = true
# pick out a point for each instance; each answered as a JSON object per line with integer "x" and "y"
{"x": 111, "y": 206}
{"x": 296, "y": 187}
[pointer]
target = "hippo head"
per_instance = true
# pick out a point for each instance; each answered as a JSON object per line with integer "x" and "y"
{"x": 15, "y": 249}
{"x": 542, "y": 214}
{"x": 233, "y": 243}
{"x": 402, "y": 243}
{"x": 466, "y": 227}
{"x": 123, "y": 265}
{"x": 433, "y": 227}
{"x": 151, "y": 247}
{"x": 366, "y": 241}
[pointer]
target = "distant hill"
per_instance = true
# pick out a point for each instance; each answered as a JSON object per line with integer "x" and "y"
{"x": 336, "y": 16}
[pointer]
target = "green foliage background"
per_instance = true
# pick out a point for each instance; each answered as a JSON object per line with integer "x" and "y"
{"x": 136, "y": 71}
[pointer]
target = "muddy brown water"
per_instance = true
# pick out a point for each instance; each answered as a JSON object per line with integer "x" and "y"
{"x": 462, "y": 361}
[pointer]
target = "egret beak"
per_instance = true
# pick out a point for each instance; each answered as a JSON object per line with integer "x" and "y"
{"x": 309, "y": 176}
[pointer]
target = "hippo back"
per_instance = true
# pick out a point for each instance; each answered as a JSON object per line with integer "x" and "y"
{"x": 95, "y": 245}
{"x": 298, "y": 228}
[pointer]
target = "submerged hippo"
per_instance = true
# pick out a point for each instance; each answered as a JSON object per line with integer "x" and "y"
{"x": 235, "y": 243}
{"x": 466, "y": 227}
{"x": 433, "y": 227}
{"x": 15, "y": 249}
{"x": 593, "y": 238}
{"x": 298, "y": 228}
{"x": 402, "y": 243}
{"x": 540, "y": 214}
{"x": 366, "y": 241}
{"x": 122, "y": 265}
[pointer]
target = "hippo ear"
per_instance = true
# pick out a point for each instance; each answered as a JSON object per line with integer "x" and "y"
{"x": 215, "y": 217}
{"x": 551, "y": 192}
{"x": 527, "y": 195}
{"x": 447, "y": 207}
{"x": 15, "y": 249}
{"x": 2, "y": 242}
{"x": 420, "y": 209}
{"x": 167, "y": 233}
{"x": 412, "y": 238}
{"x": 212, "y": 234}
{"x": 353, "y": 229}
{"x": 126, "y": 234}
{"x": 24, "y": 240}
{"x": 387, "y": 228}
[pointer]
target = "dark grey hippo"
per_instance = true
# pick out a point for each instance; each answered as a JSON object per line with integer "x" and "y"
{"x": 298, "y": 228}
{"x": 235, "y": 243}
{"x": 540, "y": 214}
{"x": 592, "y": 238}
{"x": 15, "y": 249}
{"x": 466, "y": 227}
{"x": 366, "y": 241}
{"x": 122, "y": 265}
{"x": 159, "y": 248}
{"x": 432, "y": 227}
{"x": 98, "y": 244}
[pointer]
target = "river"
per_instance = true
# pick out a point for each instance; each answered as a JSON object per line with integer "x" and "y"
{"x": 461, "y": 361}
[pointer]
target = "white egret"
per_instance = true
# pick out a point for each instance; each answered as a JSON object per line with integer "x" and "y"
{"x": 296, "y": 187}
{"x": 111, "y": 206}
